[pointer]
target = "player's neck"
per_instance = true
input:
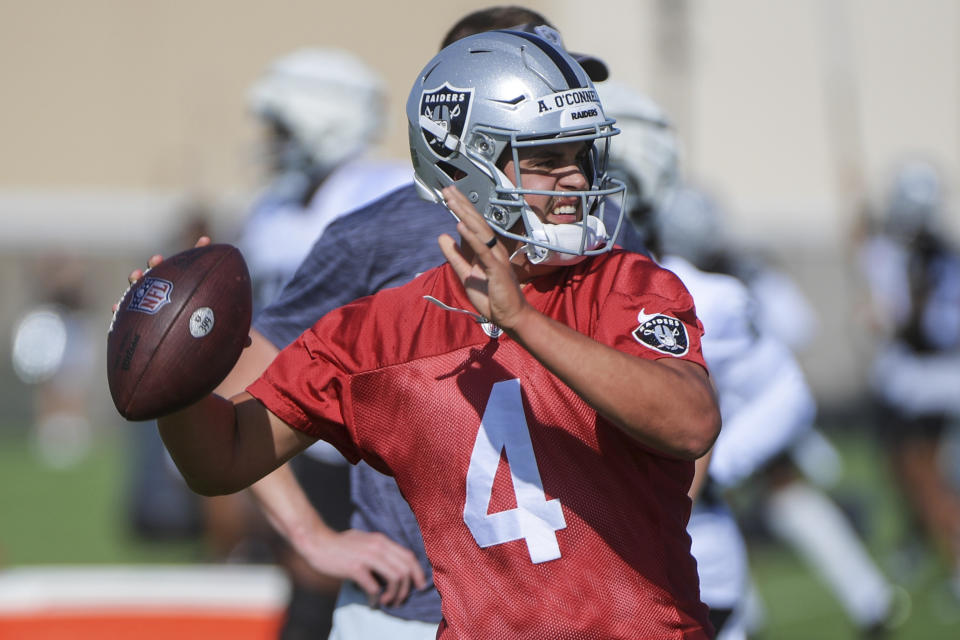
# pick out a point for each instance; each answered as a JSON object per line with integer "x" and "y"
{"x": 526, "y": 272}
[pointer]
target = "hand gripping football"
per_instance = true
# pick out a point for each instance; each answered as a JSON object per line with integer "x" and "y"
{"x": 178, "y": 331}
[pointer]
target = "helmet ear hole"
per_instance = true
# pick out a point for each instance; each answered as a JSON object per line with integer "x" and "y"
{"x": 451, "y": 171}
{"x": 505, "y": 156}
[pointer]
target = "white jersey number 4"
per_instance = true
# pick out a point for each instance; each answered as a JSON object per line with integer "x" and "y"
{"x": 535, "y": 519}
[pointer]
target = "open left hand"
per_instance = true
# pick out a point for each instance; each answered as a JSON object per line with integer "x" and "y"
{"x": 485, "y": 272}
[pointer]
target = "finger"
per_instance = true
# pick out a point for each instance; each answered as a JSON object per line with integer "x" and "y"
{"x": 202, "y": 241}
{"x": 465, "y": 211}
{"x": 396, "y": 581}
{"x": 154, "y": 260}
{"x": 409, "y": 575}
{"x": 390, "y": 565}
{"x": 473, "y": 228}
{"x": 392, "y": 588}
{"x": 482, "y": 241}
{"x": 367, "y": 583}
{"x": 135, "y": 275}
{"x": 451, "y": 251}
{"x": 364, "y": 578}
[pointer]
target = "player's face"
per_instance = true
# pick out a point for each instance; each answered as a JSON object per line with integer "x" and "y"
{"x": 553, "y": 167}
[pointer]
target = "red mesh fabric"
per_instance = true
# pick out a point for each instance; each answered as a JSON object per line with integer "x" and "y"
{"x": 412, "y": 386}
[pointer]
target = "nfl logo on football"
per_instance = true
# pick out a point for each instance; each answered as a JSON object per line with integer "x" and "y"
{"x": 151, "y": 295}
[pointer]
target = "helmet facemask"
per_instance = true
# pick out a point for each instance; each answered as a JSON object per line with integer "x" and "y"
{"x": 548, "y": 243}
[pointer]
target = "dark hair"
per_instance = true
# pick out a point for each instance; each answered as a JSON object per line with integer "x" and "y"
{"x": 490, "y": 19}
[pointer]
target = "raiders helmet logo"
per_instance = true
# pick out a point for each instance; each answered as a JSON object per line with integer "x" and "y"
{"x": 443, "y": 114}
{"x": 662, "y": 333}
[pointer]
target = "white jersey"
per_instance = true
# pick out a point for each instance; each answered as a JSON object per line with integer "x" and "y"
{"x": 276, "y": 239}
{"x": 765, "y": 404}
{"x": 765, "y": 400}
{"x": 783, "y": 310}
{"x": 883, "y": 264}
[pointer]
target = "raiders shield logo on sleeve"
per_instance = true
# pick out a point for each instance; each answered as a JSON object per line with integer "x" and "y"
{"x": 661, "y": 333}
{"x": 443, "y": 113}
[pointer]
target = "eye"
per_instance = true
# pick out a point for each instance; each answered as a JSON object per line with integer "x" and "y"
{"x": 541, "y": 162}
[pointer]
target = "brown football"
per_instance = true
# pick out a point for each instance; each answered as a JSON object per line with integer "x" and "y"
{"x": 178, "y": 331}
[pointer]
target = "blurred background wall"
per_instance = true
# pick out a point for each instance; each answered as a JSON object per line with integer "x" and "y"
{"x": 121, "y": 121}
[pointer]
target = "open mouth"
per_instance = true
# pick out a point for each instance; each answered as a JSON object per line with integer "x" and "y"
{"x": 563, "y": 214}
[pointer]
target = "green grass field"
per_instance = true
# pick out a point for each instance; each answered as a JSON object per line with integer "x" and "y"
{"x": 77, "y": 516}
{"x": 73, "y": 516}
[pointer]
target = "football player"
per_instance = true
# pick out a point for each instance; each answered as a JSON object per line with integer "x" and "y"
{"x": 388, "y": 589}
{"x": 913, "y": 277}
{"x": 352, "y": 259}
{"x": 536, "y": 342}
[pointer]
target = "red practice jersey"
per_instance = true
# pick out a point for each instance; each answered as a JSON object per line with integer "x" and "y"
{"x": 541, "y": 519}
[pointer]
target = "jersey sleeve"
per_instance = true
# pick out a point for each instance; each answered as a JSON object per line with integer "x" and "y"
{"x": 308, "y": 387}
{"x": 650, "y": 314}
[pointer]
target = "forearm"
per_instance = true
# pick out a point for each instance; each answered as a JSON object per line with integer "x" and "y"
{"x": 200, "y": 438}
{"x": 222, "y": 446}
{"x": 288, "y": 509}
{"x": 668, "y": 405}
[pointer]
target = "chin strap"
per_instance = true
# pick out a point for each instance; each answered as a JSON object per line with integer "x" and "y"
{"x": 565, "y": 236}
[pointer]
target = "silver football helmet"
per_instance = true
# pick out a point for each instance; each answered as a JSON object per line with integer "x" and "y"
{"x": 498, "y": 92}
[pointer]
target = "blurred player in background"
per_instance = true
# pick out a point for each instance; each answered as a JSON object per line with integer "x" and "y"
{"x": 321, "y": 112}
{"x": 53, "y": 350}
{"x": 766, "y": 403}
{"x": 913, "y": 276}
{"x": 789, "y": 479}
{"x": 539, "y": 246}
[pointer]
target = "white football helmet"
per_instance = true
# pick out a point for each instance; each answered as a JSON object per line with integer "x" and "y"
{"x": 691, "y": 226}
{"x": 498, "y": 92}
{"x": 331, "y": 103}
{"x": 646, "y": 153}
